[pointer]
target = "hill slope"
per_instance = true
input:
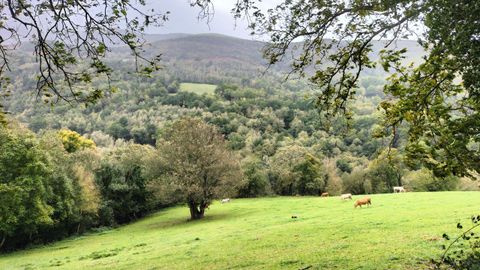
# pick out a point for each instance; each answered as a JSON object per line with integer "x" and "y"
{"x": 216, "y": 46}
{"x": 202, "y": 58}
{"x": 400, "y": 231}
{"x": 224, "y": 58}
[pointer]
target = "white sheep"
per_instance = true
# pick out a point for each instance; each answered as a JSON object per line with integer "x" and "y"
{"x": 226, "y": 200}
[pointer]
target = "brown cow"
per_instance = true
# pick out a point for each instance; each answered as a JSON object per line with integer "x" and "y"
{"x": 325, "y": 194}
{"x": 363, "y": 201}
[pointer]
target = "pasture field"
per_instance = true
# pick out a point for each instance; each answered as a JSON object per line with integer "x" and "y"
{"x": 198, "y": 88}
{"x": 399, "y": 231}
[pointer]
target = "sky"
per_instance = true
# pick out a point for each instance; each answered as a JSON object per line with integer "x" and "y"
{"x": 184, "y": 19}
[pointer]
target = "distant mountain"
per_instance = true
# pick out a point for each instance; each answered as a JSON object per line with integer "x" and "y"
{"x": 158, "y": 37}
{"x": 211, "y": 47}
{"x": 228, "y": 58}
{"x": 218, "y": 49}
{"x": 209, "y": 58}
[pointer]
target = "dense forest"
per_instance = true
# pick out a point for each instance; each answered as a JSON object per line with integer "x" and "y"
{"x": 104, "y": 164}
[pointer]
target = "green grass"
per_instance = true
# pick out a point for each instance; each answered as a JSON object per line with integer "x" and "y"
{"x": 198, "y": 88}
{"x": 399, "y": 231}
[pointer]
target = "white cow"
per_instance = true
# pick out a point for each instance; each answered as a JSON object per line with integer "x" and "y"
{"x": 226, "y": 200}
{"x": 398, "y": 189}
{"x": 346, "y": 196}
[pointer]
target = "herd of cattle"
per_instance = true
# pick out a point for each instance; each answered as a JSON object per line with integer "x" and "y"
{"x": 346, "y": 196}
{"x": 364, "y": 200}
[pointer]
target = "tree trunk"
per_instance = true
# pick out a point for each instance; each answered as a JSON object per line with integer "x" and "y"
{"x": 3, "y": 241}
{"x": 191, "y": 206}
{"x": 201, "y": 211}
{"x": 399, "y": 178}
{"x": 196, "y": 211}
{"x": 396, "y": 139}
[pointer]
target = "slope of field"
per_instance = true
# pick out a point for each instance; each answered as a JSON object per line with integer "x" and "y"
{"x": 198, "y": 88}
{"x": 400, "y": 231}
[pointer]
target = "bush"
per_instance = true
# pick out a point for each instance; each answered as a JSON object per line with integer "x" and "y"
{"x": 424, "y": 180}
{"x": 385, "y": 172}
{"x": 295, "y": 171}
{"x": 344, "y": 166}
{"x": 123, "y": 184}
{"x": 334, "y": 182}
{"x": 355, "y": 182}
{"x": 463, "y": 252}
{"x": 257, "y": 183}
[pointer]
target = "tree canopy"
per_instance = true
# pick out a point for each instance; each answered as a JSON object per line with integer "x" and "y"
{"x": 198, "y": 162}
{"x": 438, "y": 98}
{"x": 71, "y": 40}
{"x": 330, "y": 43}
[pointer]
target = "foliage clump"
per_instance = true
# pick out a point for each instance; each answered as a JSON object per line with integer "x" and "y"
{"x": 72, "y": 141}
{"x": 462, "y": 252}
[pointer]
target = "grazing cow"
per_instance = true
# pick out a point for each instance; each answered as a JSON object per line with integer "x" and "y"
{"x": 398, "y": 189}
{"x": 346, "y": 196}
{"x": 226, "y": 200}
{"x": 325, "y": 194}
{"x": 363, "y": 201}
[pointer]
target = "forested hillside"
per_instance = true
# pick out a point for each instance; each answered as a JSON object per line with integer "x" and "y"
{"x": 283, "y": 144}
{"x": 262, "y": 115}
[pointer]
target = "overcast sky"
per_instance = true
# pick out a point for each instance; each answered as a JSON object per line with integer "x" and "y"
{"x": 183, "y": 19}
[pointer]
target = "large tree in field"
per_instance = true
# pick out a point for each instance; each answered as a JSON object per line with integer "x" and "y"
{"x": 438, "y": 99}
{"x": 198, "y": 162}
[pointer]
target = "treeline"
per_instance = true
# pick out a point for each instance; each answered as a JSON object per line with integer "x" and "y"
{"x": 58, "y": 183}
{"x": 287, "y": 145}
{"x": 46, "y": 192}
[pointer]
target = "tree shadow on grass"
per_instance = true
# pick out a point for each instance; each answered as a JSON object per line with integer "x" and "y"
{"x": 186, "y": 221}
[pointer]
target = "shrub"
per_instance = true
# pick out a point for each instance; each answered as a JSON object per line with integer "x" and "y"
{"x": 123, "y": 184}
{"x": 257, "y": 183}
{"x": 355, "y": 182}
{"x": 344, "y": 166}
{"x": 463, "y": 252}
{"x": 424, "y": 180}
{"x": 72, "y": 141}
{"x": 334, "y": 182}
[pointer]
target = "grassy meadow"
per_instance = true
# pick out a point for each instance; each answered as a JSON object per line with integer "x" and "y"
{"x": 399, "y": 231}
{"x": 198, "y": 88}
